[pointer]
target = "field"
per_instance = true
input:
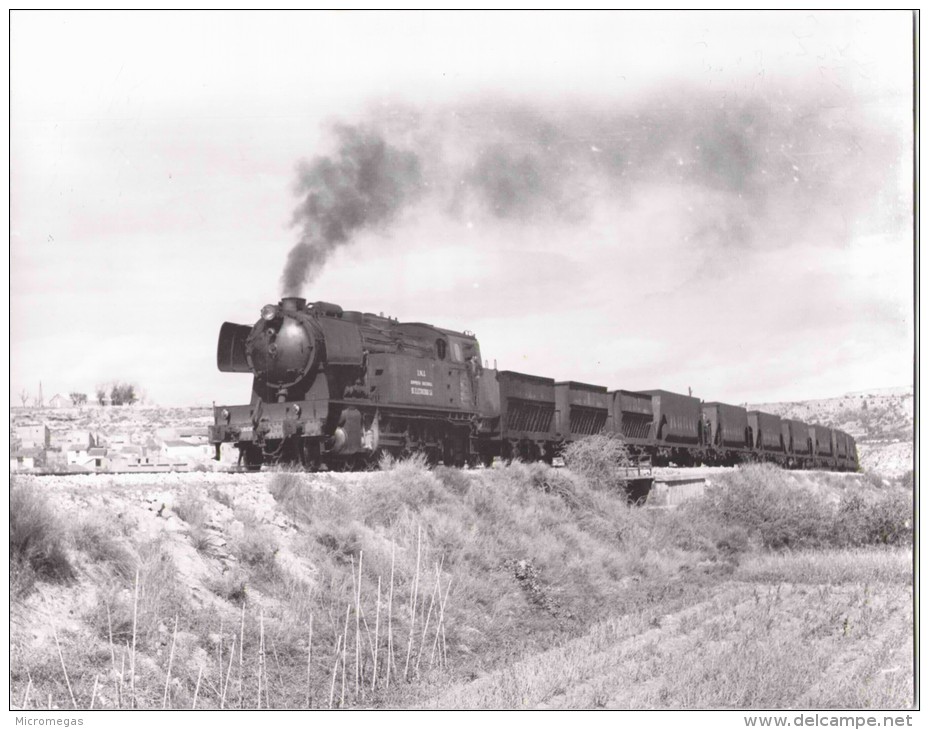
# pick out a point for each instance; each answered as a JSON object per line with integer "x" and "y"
{"x": 517, "y": 586}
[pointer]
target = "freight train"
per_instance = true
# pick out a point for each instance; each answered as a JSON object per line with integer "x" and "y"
{"x": 334, "y": 388}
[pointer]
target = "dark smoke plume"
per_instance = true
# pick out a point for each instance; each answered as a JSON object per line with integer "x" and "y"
{"x": 750, "y": 171}
{"x": 364, "y": 184}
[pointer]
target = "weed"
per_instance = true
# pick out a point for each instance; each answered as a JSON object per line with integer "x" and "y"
{"x": 95, "y": 538}
{"x": 231, "y": 586}
{"x": 37, "y": 548}
{"x": 224, "y": 498}
{"x": 192, "y": 508}
{"x": 455, "y": 480}
{"x": 599, "y": 459}
{"x": 256, "y": 547}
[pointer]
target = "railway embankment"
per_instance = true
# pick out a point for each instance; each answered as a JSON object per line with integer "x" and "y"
{"x": 410, "y": 585}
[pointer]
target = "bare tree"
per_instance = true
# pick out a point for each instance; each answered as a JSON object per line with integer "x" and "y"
{"x": 24, "y": 396}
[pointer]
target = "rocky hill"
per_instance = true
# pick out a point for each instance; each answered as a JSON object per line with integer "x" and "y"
{"x": 881, "y": 421}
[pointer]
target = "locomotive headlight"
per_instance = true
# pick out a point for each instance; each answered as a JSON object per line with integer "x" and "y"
{"x": 268, "y": 312}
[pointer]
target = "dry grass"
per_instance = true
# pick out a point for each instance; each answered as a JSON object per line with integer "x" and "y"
{"x": 37, "y": 547}
{"x": 412, "y": 577}
{"x": 737, "y": 647}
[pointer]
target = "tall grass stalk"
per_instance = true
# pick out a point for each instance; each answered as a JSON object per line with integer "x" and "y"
{"x": 63, "y": 669}
{"x": 440, "y": 627}
{"x": 225, "y": 686}
{"x": 261, "y": 653}
{"x": 357, "y": 621}
{"x": 348, "y": 609}
{"x": 335, "y": 670}
{"x": 164, "y": 701}
{"x": 93, "y": 694}
{"x": 135, "y": 625}
{"x": 422, "y": 641}
{"x": 25, "y": 700}
{"x": 219, "y": 652}
{"x": 309, "y": 660}
{"x": 377, "y": 627}
{"x": 193, "y": 705}
{"x": 117, "y": 678}
{"x": 390, "y": 612}
{"x": 409, "y": 646}
{"x": 122, "y": 668}
{"x": 242, "y": 658}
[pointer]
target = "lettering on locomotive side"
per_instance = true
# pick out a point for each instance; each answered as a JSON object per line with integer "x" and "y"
{"x": 419, "y": 385}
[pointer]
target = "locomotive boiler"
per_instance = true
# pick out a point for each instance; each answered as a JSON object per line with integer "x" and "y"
{"x": 337, "y": 388}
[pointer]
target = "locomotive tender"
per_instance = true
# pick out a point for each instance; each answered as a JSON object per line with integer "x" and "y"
{"x": 337, "y": 388}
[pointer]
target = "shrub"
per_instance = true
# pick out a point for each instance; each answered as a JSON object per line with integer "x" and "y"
{"x": 231, "y": 586}
{"x": 557, "y": 482}
{"x": 96, "y": 538}
{"x": 759, "y": 503}
{"x": 884, "y": 518}
{"x": 256, "y": 547}
{"x": 224, "y": 498}
{"x": 37, "y": 548}
{"x": 454, "y": 480}
{"x": 161, "y": 595}
{"x": 779, "y": 514}
{"x": 599, "y": 459}
{"x": 191, "y": 508}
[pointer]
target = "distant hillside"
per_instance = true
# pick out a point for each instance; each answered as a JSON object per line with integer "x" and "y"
{"x": 881, "y": 420}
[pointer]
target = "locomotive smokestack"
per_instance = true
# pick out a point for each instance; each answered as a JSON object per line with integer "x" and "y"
{"x": 293, "y": 304}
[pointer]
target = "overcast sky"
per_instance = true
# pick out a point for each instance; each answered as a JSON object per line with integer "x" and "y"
{"x": 640, "y": 200}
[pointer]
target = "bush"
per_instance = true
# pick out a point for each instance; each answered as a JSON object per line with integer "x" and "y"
{"x": 758, "y": 503}
{"x": 231, "y": 586}
{"x": 191, "y": 508}
{"x": 37, "y": 547}
{"x": 599, "y": 459}
{"x": 882, "y": 518}
{"x": 780, "y": 515}
{"x": 557, "y": 482}
{"x": 96, "y": 538}
{"x": 256, "y": 547}
{"x": 455, "y": 480}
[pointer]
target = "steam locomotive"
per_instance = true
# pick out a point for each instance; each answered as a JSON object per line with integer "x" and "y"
{"x": 337, "y": 388}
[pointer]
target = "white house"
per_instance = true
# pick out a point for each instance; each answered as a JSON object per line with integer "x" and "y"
{"x": 33, "y": 437}
{"x": 59, "y": 401}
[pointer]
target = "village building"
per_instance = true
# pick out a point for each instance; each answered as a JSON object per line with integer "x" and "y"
{"x": 27, "y": 459}
{"x": 59, "y": 401}
{"x": 80, "y": 439}
{"x": 185, "y": 451}
{"x": 33, "y": 437}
